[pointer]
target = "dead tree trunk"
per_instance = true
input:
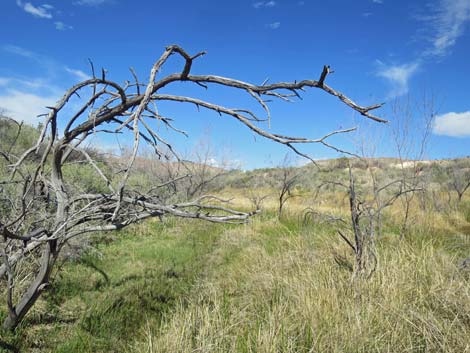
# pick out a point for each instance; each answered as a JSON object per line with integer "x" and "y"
{"x": 31, "y": 223}
{"x": 16, "y": 313}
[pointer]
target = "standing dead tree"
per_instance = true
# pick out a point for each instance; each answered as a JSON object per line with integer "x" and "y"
{"x": 459, "y": 181}
{"x": 367, "y": 204}
{"x": 203, "y": 169}
{"x": 366, "y": 211}
{"x": 287, "y": 180}
{"x": 42, "y": 209}
{"x": 411, "y": 132}
{"x": 256, "y": 199}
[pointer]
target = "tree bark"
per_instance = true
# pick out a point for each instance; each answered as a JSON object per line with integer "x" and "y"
{"x": 48, "y": 258}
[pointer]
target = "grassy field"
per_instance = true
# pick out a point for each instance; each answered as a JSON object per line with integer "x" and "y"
{"x": 269, "y": 286}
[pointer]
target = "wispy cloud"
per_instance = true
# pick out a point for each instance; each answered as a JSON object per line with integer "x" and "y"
{"x": 452, "y": 124}
{"x": 47, "y": 63}
{"x": 261, "y": 4}
{"x": 61, "y": 26}
{"x": 378, "y": 1}
{"x": 274, "y": 25}
{"x": 13, "y": 49}
{"x": 366, "y": 14}
{"x": 41, "y": 11}
{"x": 92, "y": 2}
{"x": 4, "y": 81}
{"x": 447, "y": 24}
{"x": 22, "y": 83}
{"x": 78, "y": 74}
{"x": 398, "y": 76}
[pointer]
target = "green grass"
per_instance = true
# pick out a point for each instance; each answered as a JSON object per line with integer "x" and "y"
{"x": 100, "y": 302}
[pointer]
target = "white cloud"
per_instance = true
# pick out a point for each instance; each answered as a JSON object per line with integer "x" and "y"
{"x": 260, "y": 4}
{"x": 212, "y": 162}
{"x": 91, "y": 2}
{"x": 24, "y": 98}
{"x": 366, "y": 14}
{"x": 398, "y": 76}
{"x": 41, "y": 11}
{"x": 453, "y": 124}
{"x": 302, "y": 162}
{"x": 274, "y": 25}
{"x": 377, "y": 1}
{"x": 78, "y": 73}
{"x": 447, "y": 25}
{"x": 25, "y": 106}
{"x": 61, "y": 26}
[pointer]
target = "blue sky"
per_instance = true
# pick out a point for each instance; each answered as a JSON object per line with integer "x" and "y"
{"x": 381, "y": 50}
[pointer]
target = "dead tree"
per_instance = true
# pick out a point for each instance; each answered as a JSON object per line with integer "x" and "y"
{"x": 202, "y": 168}
{"x": 411, "y": 132}
{"x": 459, "y": 181}
{"x": 366, "y": 211}
{"x": 366, "y": 207}
{"x": 34, "y": 229}
{"x": 256, "y": 199}
{"x": 287, "y": 180}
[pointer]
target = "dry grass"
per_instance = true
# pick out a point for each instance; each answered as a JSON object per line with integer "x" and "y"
{"x": 275, "y": 288}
